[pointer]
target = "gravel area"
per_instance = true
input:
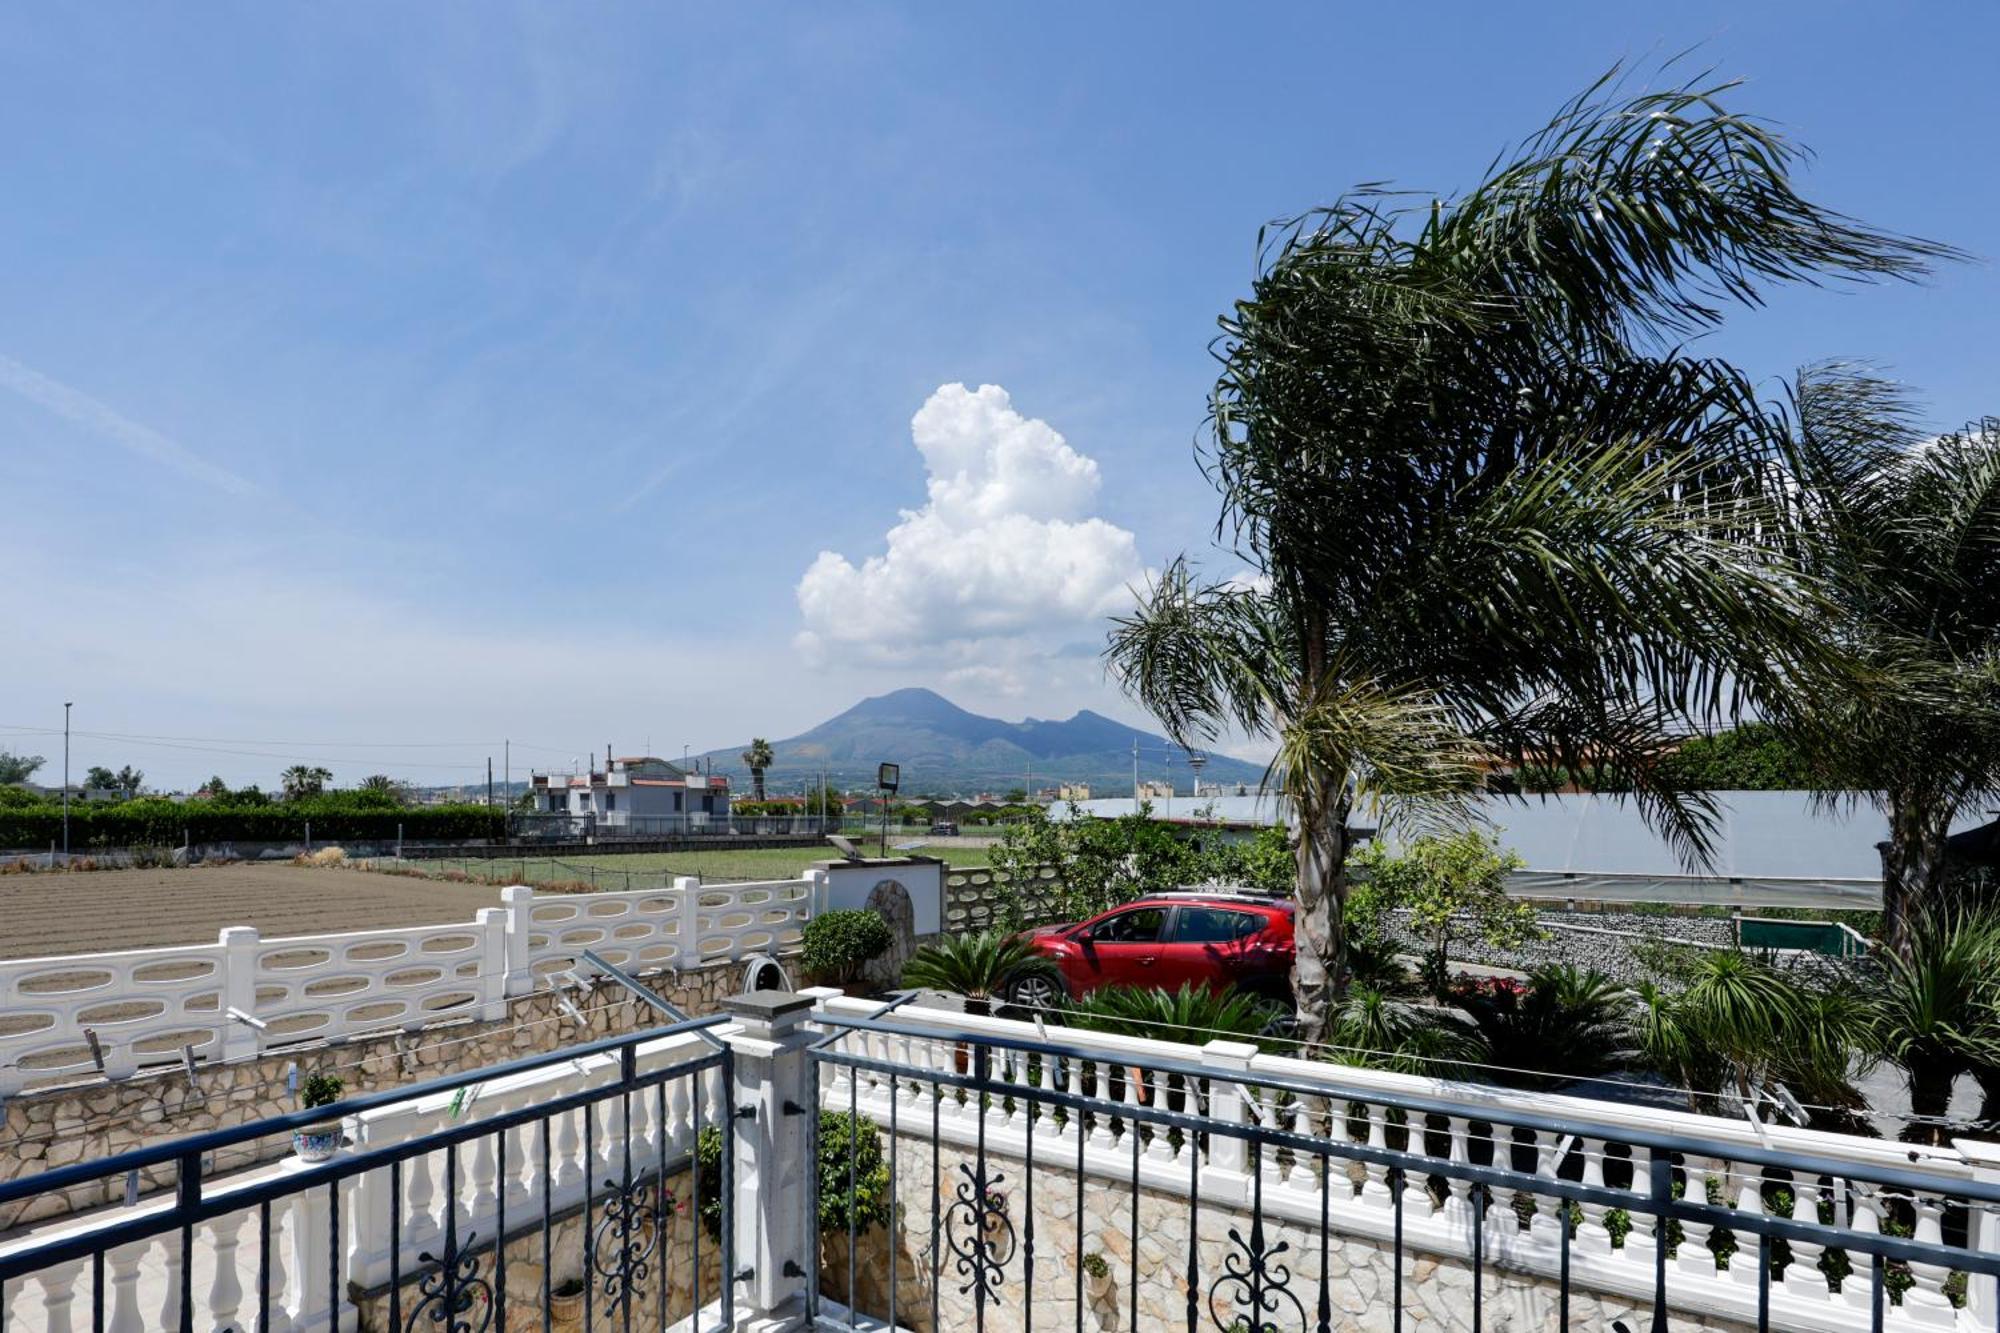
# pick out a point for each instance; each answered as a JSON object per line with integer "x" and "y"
{"x": 1605, "y": 941}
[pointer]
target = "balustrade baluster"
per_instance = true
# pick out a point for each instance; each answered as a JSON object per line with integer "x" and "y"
{"x": 122, "y": 1301}
{"x": 482, "y": 1176}
{"x": 1857, "y": 1288}
{"x": 59, "y": 1292}
{"x": 1693, "y": 1255}
{"x": 170, "y": 1293}
{"x": 420, "y": 1223}
{"x": 1802, "y": 1275}
{"x": 1100, "y": 1127}
{"x": 1593, "y": 1237}
{"x": 1926, "y": 1299}
{"x": 225, "y": 1285}
{"x": 569, "y": 1164}
{"x": 1545, "y": 1211}
{"x": 1749, "y": 1200}
{"x": 1644, "y": 1235}
{"x": 1457, "y": 1206}
{"x": 1375, "y": 1182}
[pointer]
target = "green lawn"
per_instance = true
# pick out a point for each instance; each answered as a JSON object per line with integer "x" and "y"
{"x": 641, "y": 870}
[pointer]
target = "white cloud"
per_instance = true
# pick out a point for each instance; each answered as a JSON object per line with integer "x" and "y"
{"x": 107, "y": 422}
{"x": 1004, "y": 555}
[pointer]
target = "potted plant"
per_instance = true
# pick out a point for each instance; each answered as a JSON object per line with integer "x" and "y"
{"x": 1096, "y": 1274}
{"x": 318, "y": 1143}
{"x": 839, "y": 944}
{"x": 566, "y": 1303}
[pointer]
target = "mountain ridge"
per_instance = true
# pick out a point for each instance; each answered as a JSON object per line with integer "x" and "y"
{"x": 945, "y": 749}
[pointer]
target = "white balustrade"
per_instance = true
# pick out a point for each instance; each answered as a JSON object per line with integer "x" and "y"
{"x": 146, "y": 1006}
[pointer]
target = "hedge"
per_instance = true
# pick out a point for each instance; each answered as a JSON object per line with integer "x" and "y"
{"x": 167, "y": 823}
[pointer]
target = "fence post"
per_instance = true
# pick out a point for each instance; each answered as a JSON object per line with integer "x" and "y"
{"x": 689, "y": 889}
{"x": 768, "y": 1215}
{"x": 1982, "y": 1294}
{"x": 494, "y": 972}
{"x": 1231, "y": 1062}
{"x": 239, "y": 991}
{"x": 520, "y": 909}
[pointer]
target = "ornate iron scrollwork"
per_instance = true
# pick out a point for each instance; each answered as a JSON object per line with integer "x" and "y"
{"x": 979, "y": 1232}
{"x": 624, "y": 1239}
{"x": 1259, "y": 1286}
{"x": 449, "y": 1293}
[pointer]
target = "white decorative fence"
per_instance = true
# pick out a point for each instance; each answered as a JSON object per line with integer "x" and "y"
{"x": 75, "y": 1017}
{"x": 1603, "y": 1144}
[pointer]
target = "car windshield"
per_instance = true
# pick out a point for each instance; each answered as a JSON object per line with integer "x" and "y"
{"x": 1141, "y": 925}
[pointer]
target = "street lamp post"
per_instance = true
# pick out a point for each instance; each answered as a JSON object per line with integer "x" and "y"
{"x": 66, "y": 707}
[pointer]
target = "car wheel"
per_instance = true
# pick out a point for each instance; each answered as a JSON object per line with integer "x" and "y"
{"x": 1036, "y": 992}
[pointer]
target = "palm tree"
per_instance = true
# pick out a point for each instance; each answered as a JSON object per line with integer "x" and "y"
{"x": 1905, "y": 531}
{"x": 981, "y": 967}
{"x": 758, "y": 758}
{"x": 1488, "y": 505}
{"x": 1935, "y": 1010}
{"x": 301, "y": 780}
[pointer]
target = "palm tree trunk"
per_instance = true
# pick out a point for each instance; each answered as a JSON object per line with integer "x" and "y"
{"x": 1930, "y": 1100}
{"x": 1320, "y": 938}
{"x": 1912, "y": 868}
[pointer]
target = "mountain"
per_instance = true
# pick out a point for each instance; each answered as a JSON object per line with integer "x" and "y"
{"x": 943, "y": 749}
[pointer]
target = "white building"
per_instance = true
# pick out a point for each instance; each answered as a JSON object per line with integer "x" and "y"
{"x": 638, "y": 791}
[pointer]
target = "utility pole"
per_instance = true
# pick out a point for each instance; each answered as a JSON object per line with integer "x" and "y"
{"x": 66, "y": 708}
{"x": 507, "y": 769}
{"x": 489, "y": 782}
{"x": 1135, "y": 776}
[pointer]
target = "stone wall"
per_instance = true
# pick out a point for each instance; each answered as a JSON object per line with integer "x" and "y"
{"x": 53, "y": 1127}
{"x": 1436, "y": 1289}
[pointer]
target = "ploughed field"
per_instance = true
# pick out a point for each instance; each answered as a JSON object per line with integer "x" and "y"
{"x": 89, "y": 911}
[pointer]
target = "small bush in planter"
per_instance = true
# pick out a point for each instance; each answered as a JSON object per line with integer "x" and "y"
{"x": 869, "y": 1205}
{"x": 318, "y": 1143}
{"x": 839, "y": 944}
{"x": 1096, "y": 1269}
{"x": 320, "y": 1090}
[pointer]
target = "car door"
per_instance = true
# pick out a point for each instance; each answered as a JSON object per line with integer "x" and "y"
{"x": 1122, "y": 949}
{"x": 1205, "y": 946}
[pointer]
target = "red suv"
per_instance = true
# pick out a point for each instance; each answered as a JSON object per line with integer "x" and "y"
{"x": 1167, "y": 940}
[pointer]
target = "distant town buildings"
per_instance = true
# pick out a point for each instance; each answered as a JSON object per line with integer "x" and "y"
{"x": 632, "y": 790}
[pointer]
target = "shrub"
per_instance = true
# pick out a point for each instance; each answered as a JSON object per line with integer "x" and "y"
{"x": 334, "y": 817}
{"x": 1192, "y": 1014}
{"x": 839, "y": 944}
{"x": 329, "y": 856}
{"x": 867, "y": 1205}
{"x": 320, "y": 1090}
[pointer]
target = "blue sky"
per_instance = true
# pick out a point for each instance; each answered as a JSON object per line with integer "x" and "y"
{"x": 379, "y": 381}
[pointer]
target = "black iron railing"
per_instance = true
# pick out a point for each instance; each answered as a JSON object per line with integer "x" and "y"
{"x": 446, "y": 1183}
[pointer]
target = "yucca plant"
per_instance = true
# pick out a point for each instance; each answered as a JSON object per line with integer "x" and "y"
{"x": 1567, "y": 1022}
{"x": 981, "y": 967}
{"x": 1374, "y": 1031}
{"x": 1935, "y": 1012}
{"x": 1194, "y": 1014}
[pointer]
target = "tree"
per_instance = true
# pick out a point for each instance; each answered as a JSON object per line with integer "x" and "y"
{"x": 1935, "y": 1010}
{"x": 215, "y": 789}
{"x": 380, "y": 789}
{"x": 1905, "y": 531}
{"x": 1490, "y": 507}
{"x": 18, "y": 767}
{"x": 1447, "y": 884}
{"x": 129, "y": 782}
{"x": 758, "y": 758}
{"x": 99, "y": 778}
{"x": 1015, "y": 796}
{"x": 301, "y": 780}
